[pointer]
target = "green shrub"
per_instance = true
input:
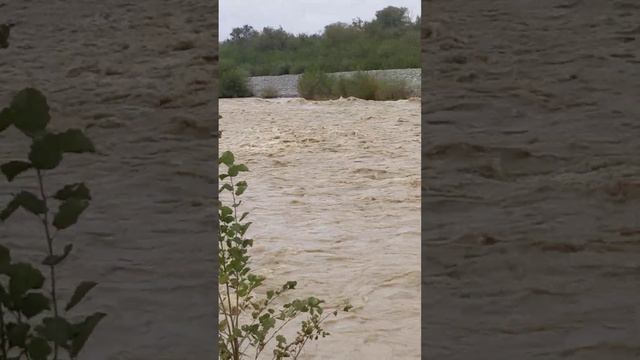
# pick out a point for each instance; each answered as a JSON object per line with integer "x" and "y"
{"x": 269, "y": 92}
{"x": 362, "y": 85}
{"x": 248, "y": 322}
{"x": 393, "y": 90}
{"x": 339, "y": 88}
{"x": 298, "y": 68}
{"x": 321, "y": 86}
{"x": 315, "y": 85}
{"x": 234, "y": 82}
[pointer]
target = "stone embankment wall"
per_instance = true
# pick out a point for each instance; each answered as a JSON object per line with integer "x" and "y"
{"x": 286, "y": 85}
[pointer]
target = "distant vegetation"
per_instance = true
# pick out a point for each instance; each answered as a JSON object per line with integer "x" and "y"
{"x": 234, "y": 82}
{"x": 316, "y": 85}
{"x": 390, "y": 41}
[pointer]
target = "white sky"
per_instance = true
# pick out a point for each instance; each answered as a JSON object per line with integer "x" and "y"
{"x": 301, "y": 16}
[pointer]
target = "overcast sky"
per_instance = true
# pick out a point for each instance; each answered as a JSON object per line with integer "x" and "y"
{"x": 302, "y": 16}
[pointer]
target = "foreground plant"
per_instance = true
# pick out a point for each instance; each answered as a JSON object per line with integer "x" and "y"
{"x": 33, "y": 323}
{"x": 249, "y": 322}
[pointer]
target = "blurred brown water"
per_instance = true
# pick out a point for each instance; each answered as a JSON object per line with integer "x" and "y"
{"x": 532, "y": 179}
{"x": 138, "y": 76}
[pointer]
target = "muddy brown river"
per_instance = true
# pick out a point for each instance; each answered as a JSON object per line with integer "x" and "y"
{"x": 334, "y": 194}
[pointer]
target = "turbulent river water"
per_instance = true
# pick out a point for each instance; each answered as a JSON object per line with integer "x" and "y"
{"x": 334, "y": 194}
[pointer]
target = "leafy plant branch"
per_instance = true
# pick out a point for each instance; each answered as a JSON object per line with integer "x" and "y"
{"x": 251, "y": 323}
{"x": 32, "y": 326}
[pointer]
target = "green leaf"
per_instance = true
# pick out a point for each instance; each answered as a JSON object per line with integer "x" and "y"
{"x": 14, "y": 168}
{"x": 26, "y": 200}
{"x": 225, "y": 187}
{"x": 81, "y": 290}
{"x": 82, "y": 332}
{"x": 45, "y": 152}
{"x": 6, "y": 118}
{"x": 241, "y": 186}
{"x": 225, "y": 211}
{"x": 52, "y": 260}
{"x": 17, "y": 334}
{"x": 223, "y": 279}
{"x": 31, "y": 202}
{"x": 30, "y": 111}
{"x": 22, "y": 278}
{"x": 227, "y": 158}
{"x": 38, "y": 348}
{"x": 312, "y": 301}
{"x": 77, "y": 190}
{"x": 56, "y": 329}
{"x": 222, "y": 325}
{"x": 75, "y": 141}
{"x": 234, "y": 170}
{"x": 69, "y": 212}
{"x": 33, "y": 304}
{"x": 11, "y": 207}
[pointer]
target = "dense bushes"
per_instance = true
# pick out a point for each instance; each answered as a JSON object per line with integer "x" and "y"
{"x": 234, "y": 82}
{"x": 390, "y": 41}
{"x": 316, "y": 85}
{"x": 392, "y": 90}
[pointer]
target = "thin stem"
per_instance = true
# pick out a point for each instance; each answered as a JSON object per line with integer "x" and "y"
{"x": 221, "y": 300}
{"x": 52, "y": 270}
{"x": 236, "y": 318}
{"x": 295, "y": 357}
{"x": 275, "y": 332}
{"x": 235, "y": 219}
{"x": 266, "y": 306}
{"x": 230, "y": 324}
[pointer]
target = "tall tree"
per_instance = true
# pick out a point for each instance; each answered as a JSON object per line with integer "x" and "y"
{"x": 243, "y": 33}
{"x": 392, "y": 17}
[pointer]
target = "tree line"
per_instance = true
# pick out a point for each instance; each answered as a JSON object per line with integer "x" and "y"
{"x": 389, "y": 41}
